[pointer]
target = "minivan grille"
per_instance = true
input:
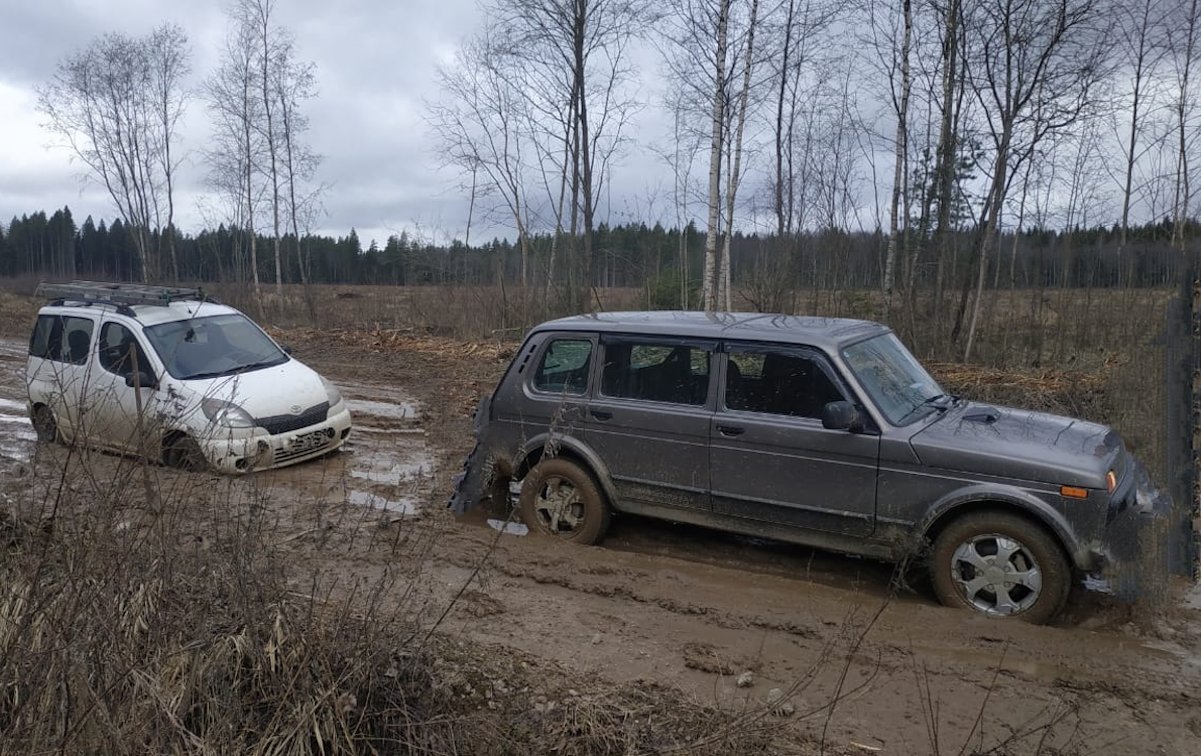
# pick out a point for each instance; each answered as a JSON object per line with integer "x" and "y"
{"x": 285, "y": 423}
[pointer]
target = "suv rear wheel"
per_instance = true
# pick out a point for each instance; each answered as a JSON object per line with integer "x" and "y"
{"x": 1001, "y": 565}
{"x": 560, "y": 498}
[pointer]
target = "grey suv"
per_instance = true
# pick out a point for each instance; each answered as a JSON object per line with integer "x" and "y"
{"x": 824, "y": 432}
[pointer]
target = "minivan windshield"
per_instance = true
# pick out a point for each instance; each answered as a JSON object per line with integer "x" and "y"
{"x": 214, "y": 346}
{"x": 895, "y": 380}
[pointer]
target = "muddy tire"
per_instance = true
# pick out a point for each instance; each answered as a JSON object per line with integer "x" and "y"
{"x": 183, "y": 453}
{"x": 561, "y": 498}
{"x": 1001, "y": 565}
{"x": 44, "y": 425}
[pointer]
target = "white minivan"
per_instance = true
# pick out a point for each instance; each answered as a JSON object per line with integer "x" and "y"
{"x": 170, "y": 374}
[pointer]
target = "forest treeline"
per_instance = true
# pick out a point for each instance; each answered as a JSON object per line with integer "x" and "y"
{"x": 765, "y": 267}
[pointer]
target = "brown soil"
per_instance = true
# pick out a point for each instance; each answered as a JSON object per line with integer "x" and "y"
{"x": 684, "y": 610}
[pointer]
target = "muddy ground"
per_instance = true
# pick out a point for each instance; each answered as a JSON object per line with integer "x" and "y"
{"x": 680, "y": 607}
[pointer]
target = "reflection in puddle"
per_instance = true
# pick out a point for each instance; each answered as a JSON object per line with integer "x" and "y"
{"x": 9, "y": 407}
{"x": 17, "y": 444}
{"x": 400, "y": 410}
{"x": 390, "y": 470}
{"x": 373, "y": 501}
{"x": 512, "y": 528}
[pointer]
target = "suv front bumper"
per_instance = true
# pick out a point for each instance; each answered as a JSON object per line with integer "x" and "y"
{"x": 1147, "y": 540}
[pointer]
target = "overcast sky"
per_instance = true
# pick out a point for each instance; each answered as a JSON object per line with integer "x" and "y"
{"x": 375, "y": 65}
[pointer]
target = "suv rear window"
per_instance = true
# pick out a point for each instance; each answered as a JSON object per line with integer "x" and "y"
{"x": 657, "y": 372}
{"x": 61, "y": 338}
{"x": 564, "y": 367}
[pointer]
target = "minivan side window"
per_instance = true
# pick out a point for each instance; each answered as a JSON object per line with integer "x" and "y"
{"x": 564, "y": 367}
{"x": 62, "y": 339}
{"x": 778, "y": 383}
{"x": 116, "y": 342}
{"x": 657, "y": 372}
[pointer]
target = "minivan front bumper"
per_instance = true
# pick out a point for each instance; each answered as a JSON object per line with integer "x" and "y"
{"x": 259, "y": 450}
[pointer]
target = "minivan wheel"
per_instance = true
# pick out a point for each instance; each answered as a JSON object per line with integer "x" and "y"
{"x": 44, "y": 425}
{"x": 1000, "y": 565}
{"x": 184, "y": 453}
{"x": 560, "y": 498}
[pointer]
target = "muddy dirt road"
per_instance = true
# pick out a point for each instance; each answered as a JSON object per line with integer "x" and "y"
{"x": 695, "y": 610}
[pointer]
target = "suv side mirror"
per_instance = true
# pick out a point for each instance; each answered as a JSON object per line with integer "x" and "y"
{"x": 841, "y": 415}
{"x": 141, "y": 378}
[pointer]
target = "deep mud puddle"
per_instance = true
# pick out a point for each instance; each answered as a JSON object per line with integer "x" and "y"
{"x": 386, "y": 466}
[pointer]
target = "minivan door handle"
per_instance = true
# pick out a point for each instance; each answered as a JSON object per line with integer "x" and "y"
{"x": 730, "y": 430}
{"x": 601, "y": 414}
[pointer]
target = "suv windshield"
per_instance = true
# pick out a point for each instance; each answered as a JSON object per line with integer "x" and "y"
{"x": 894, "y": 379}
{"x": 214, "y": 346}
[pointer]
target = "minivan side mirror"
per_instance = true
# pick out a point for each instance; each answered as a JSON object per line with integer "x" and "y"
{"x": 141, "y": 378}
{"x": 841, "y": 415}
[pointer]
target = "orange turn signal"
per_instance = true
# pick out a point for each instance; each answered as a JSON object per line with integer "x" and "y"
{"x": 1111, "y": 480}
{"x": 1072, "y": 492}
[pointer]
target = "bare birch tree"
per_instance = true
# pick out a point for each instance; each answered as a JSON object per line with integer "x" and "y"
{"x": 234, "y": 155}
{"x": 1183, "y": 44}
{"x": 1033, "y": 68}
{"x": 1138, "y": 28}
{"x": 168, "y": 57}
{"x": 116, "y": 104}
{"x": 575, "y": 53}
{"x": 479, "y": 122}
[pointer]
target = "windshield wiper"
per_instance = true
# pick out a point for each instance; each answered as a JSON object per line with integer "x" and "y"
{"x": 927, "y": 402}
{"x": 256, "y": 366}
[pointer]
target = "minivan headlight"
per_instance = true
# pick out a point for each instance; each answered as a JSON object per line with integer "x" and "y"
{"x": 226, "y": 413}
{"x": 332, "y": 394}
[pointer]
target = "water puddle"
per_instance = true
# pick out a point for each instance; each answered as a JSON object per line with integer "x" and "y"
{"x": 1177, "y": 651}
{"x": 400, "y": 410}
{"x": 17, "y": 443}
{"x": 512, "y": 528}
{"x": 382, "y": 504}
{"x": 1192, "y": 599}
{"x": 14, "y": 350}
{"x": 389, "y": 431}
{"x": 10, "y": 407}
{"x": 390, "y": 469}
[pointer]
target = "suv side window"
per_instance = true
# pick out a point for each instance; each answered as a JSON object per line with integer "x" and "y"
{"x": 61, "y": 338}
{"x": 116, "y": 344}
{"x": 778, "y": 383}
{"x": 564, "y": 367}
{"x": 656, "y": 371}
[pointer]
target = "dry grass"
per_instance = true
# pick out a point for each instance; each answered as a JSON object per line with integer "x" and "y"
{"x": 177, "y": 624}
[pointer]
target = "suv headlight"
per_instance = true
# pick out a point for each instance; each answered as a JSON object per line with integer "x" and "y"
{"x": 226, "y": 413}
{"x": 332, "y": 394}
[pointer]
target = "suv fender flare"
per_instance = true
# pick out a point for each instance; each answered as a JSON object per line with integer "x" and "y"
{"x": 537, "y": 445}
{"x": 1023, "y": 502}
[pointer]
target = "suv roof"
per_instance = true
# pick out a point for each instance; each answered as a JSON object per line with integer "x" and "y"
{"x": 827, "y": 333}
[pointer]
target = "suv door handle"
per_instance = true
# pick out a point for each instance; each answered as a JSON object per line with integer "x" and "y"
{"x": 601, "y": 414}
{"x": 730, "y": 430}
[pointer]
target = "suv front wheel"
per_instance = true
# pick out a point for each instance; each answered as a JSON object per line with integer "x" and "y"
{"x": 1001, "y": 565}
{"x": 560, "y": 498}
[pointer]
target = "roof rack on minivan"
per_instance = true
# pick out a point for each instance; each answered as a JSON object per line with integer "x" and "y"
{"x": 100, "y": 292}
